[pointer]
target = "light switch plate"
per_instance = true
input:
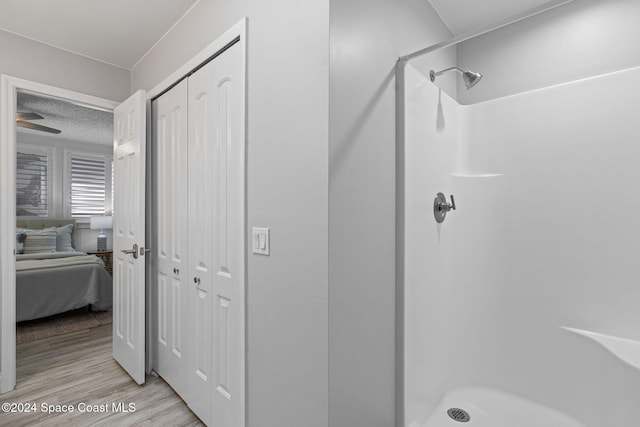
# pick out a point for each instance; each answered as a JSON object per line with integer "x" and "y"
{"x": 260, "y": 241}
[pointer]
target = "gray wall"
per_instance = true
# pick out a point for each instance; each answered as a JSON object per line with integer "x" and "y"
{"x": 367, "y": 37}
{"x": 288, "y": 188}
{"x": 582, "y": 39}
{"x": 41, "y": 63}
{"x": 287, "y": 191}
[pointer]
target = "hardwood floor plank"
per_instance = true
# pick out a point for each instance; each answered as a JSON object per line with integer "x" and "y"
{"x": 77, "y": 369}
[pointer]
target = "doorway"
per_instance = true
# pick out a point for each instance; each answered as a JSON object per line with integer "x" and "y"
{"x": 231, "y": 408}
{"x": 63, "y": 192}
{"x": 8, "y": 142}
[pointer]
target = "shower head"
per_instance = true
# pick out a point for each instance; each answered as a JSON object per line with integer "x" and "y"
{"x": 471, "y": 78}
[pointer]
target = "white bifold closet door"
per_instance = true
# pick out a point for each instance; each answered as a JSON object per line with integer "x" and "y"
{"x": 170, "y": 119}
{"x": 200, "y": 235}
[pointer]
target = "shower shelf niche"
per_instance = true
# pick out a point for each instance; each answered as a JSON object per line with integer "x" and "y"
{"x": 625, "y": 349}
{"x": 475, "y": 175}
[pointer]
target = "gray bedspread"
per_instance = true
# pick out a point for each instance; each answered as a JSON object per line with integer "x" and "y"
{"x": 57, "y": 284}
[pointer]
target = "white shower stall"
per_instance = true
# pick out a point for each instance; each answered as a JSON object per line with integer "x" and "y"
{"x": 522, "y": 308}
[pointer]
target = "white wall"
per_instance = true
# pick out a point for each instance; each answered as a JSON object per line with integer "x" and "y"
{"x": 367, "y": 37}
{"x": 582, "y": 39}
{"x": 433, "y": 128}
{"x": 287, "y": 191}
{"x": 30, "y": 60}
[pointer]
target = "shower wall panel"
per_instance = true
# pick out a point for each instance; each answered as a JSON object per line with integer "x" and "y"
{"x": 581, "y": 39}
{"x": 569, "y": 155}
{"x": 546, "y": 234}
{"x": 433, "y": 123}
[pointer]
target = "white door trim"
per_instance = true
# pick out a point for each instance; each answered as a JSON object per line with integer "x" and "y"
{"x": 236, "y": 34}
{"x": 8, "y": 98}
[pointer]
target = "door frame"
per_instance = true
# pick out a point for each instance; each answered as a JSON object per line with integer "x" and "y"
{"x": 236, "y": 34}
{"x": 8, "y": 138}
{"x": 9, "y": 86}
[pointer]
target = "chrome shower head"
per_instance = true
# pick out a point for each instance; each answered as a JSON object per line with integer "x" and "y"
{"x": 471, "y": 78}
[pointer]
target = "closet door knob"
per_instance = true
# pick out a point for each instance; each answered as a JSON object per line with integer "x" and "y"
{"x": 176, "y": 270}
{"x": 196, "y": 280}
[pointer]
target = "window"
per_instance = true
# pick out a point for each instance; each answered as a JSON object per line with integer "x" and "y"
{"x": 55, "y": 181}
{"x": 89, "y": 189}
{"x": 32, "y": 182}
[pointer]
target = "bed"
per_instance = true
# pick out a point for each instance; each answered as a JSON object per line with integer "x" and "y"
{"x": 51, "y": 277}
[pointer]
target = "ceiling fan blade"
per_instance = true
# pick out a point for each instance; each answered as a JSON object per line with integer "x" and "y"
{"x": 28, "y": 116}
{"x": 34, "y": 126}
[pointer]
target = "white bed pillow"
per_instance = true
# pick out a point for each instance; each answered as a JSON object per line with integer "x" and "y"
{"x": 39, "y": 241}
{"x": 63, "y": 240}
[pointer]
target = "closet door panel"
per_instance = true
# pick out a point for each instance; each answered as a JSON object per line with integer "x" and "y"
{"x": 201, "y": 207}
{"x": 228, "y": 252}
{"x": 216, "y": 230}
{"x": 170, "y": 121}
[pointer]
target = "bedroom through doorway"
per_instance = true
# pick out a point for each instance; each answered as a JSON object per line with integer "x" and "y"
{"x": 64, "y": 209}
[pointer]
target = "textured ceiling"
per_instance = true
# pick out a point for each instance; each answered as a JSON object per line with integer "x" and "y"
{"x": 77, "y": 123}
{"x": 117, "y": 32}
{"x": 466, "y": 15}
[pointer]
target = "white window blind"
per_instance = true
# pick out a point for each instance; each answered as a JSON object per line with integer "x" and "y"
{"x": 32, "y": 184}
{"x": 90, "y": 192}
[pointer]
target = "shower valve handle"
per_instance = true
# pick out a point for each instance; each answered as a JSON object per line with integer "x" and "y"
{"x": 446, "y": 207}
{"x": 441, "y": 207}
{"x": 451, "y": 206}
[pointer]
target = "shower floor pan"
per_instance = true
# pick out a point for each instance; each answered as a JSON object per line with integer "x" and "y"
{"x": 487, "y": 407}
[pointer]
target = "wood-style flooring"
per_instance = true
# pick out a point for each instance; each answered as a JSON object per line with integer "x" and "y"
{"x": 77, "y": 369}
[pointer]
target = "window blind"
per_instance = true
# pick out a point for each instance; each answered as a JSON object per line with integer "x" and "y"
{"x": 32, "y": 186}
{"x": 88, "y": 186}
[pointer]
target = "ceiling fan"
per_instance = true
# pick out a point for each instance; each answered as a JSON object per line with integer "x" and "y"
{"x": 22, "y": 121}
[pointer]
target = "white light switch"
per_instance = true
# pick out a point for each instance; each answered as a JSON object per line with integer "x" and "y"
{"x": 260, "y": 241}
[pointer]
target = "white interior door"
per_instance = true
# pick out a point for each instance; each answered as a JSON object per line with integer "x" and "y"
{"x": 170, "y": 124}
{"x": 216, "y": 230}
{"x": 229, "y": 238}
{"x": 129, "y": 236}
{"x": 201, "y": 263}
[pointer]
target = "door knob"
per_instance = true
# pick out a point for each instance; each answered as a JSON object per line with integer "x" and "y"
{"x": 133, "y": 251}
{"x": 196, "y": 280}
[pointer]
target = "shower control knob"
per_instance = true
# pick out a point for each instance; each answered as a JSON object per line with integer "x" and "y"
{"x": 453, "y": 203}
{"x": 441, "y": 207}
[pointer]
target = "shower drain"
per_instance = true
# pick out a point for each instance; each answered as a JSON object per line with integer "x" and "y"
{"x": 459, "y": 415}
